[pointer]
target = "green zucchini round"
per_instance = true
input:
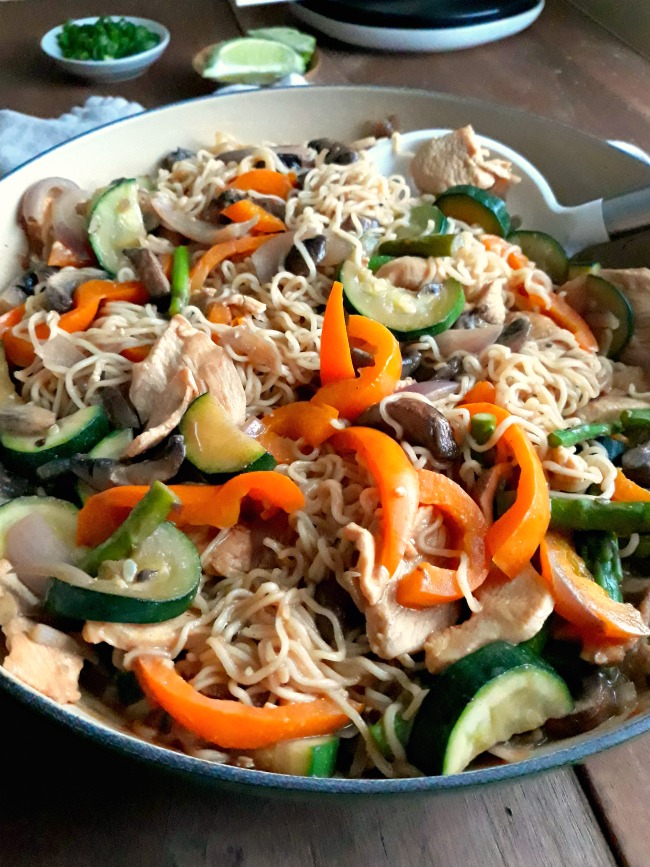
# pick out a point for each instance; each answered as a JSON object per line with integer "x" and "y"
{"x": 476, "y": 207}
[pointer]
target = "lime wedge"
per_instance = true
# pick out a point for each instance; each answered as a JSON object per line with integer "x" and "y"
{"x": 301, "y": 42}
{"x": 252, "y": 61}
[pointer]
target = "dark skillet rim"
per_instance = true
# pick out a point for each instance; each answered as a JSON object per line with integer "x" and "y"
{"x": 128, "y": 745}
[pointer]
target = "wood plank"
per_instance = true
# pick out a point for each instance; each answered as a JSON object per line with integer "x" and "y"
{"x": 565, "y": 66}
{"x": 31, "y": 83}
{"x": 618, "y": 783}
{"x": 69, "y": 803}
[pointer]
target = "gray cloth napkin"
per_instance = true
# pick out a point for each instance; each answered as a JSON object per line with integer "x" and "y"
{"x": 23, "y": 136}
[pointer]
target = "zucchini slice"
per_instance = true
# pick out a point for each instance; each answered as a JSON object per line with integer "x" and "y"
{"x": 215, "y": 445}
{"x": 75, "y": 434}
{"x": 481, "y": 700}
{"x": 399, "y": 729}
{"x": 304, "y": 757}
{"x": 577, "y": 269}
{"x": 172, "y": 567}
{"x": 60, "y": 515}
{"x": 116, "y": 223}
{"x": 407, "y": 314}
{"x": 112, "y": 446}
{"x": 423, "y": 219}
{"x": 476, "y": 207}
{"x": 427, "y": 246}
{"x": 592, "y": 296}
{"x": 547, "y": 253}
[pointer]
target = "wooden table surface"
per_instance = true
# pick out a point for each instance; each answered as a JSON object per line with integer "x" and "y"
{"x": 67, "y": 803}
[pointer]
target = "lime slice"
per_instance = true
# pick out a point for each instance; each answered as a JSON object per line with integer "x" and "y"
{"x": 252, "y": 61}
{"x": 301, "y": 42}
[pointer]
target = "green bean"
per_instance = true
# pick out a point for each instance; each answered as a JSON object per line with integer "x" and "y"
{"x": 600, "y": 552}
{"x": 573, "y": 435}
{"x": 180, "y": 283}
{"x": 426, "y": 246}
{"x": 377, "y": 262}
{"x": 483, "y": 426}
{"x": 585, "y": 514}
{"x": 635, "y": 419}
{"x": 146, "y": 516}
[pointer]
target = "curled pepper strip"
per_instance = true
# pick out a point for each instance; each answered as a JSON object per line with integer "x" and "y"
{"x": 88, "y": 298}
{"x": 217, "y": 254}
{"x": 311, "y": 422}
{"x": 228, "y": 723}
{"x": 241, "y": 212}
{"x": 201, "y": 505}
{"x": 427, "y": 584}
{"x": 352, "y": 396}
{"x": 580, "y": 600}
{"x": 266, "y": 182}
{"x": 627, "y": 491}
{"x": 335, "y": 356}
{"x": 514, "y": 538}
{"x": 398, "y": 486}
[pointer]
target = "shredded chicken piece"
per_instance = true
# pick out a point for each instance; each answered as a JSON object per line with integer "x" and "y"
{"x": 52, "y": 671}
{"x": 182, "y": 364}
{"x": 511, "y": 611}
{"x": 255, "y": 346}
{"x": 409, "y": 272}
{"x": 369, "y": 582}
{"x": 457, "y": 158}
{"x": 233, "y": 554}
{"x": 544, "y": 329}
{"x": 491, "y": 304}
{"x": 608, "y": 407}
{"x": 137, "y": 636}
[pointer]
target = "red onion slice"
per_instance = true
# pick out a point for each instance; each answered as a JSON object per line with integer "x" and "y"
{"x": 268, "y": 258}
{"x": 434, "y": 389}
{"x": 173, "y": 218}
{"x": 69, "y": 225}
{"x": 59, "y": 353}
{"x": 35, "y": 206}
{"x": 473, "y": 340}
{"x": 32, "y": 549}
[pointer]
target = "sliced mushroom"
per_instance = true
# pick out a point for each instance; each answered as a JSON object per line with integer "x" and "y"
{"x": 149, "y": 271}
{"x": 169, "y": 161}
{"x": 330, "y": 595}
{"x": 387, "y": 127}
{"x": 295, "y": 262}
{"x": 12, "y": 485}
{"x": 450, "y": 370}
{"x": 636, "y": 464}
{"x": 273, "y": 204}
{"x": 60, "y": 286}
{"x": 422, "y": 424}
{"x": 26, "y": 419}
{"x": 361, "y": 358}
{"x": 362, "y": 224}
{"x": 411, "y": 361}
{"x": 229, "y": 197}
{"x": 119, "y": 409}
{"x": 103, "y": 473}
{"x": 337, "y": 152}
{"x": 515, "y": 333}
{"x": 17, "y": 292}
{"x": 598, "y": 703}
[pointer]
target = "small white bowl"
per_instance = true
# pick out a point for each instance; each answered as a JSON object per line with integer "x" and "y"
{"x": 108, "y": 70}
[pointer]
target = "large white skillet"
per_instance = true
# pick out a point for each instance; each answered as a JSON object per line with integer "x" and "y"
{"x": 532, "y": 201}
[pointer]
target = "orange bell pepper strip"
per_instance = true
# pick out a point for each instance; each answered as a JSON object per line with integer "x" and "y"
{"x": 201, "y": 505}
{"x": 514, "y": 538}
{"x": 427, "y": 584}
{"x": 136, "y": 353}
{"x": 352, "y": 396}
{"x": 579, "y": 599}
{"x": 217, "y": 254}
{"x": 61, "y": 256}
{"x": 264, "y": 181}
{"x": 481, "y": 392}
{"x": 240, "y": 212}
{"x": 513, "y": 256}
{"x": 88, "y": 298}
{"x": 398, "y": 486}
{"x": 228, "y": 723}
{"x": 302, "y": 420}
{"x": 11, "y": 318}
{"x": 627, "y": 491}
{"x": 561, "y": 312}
{"x": 335, "y": 356}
